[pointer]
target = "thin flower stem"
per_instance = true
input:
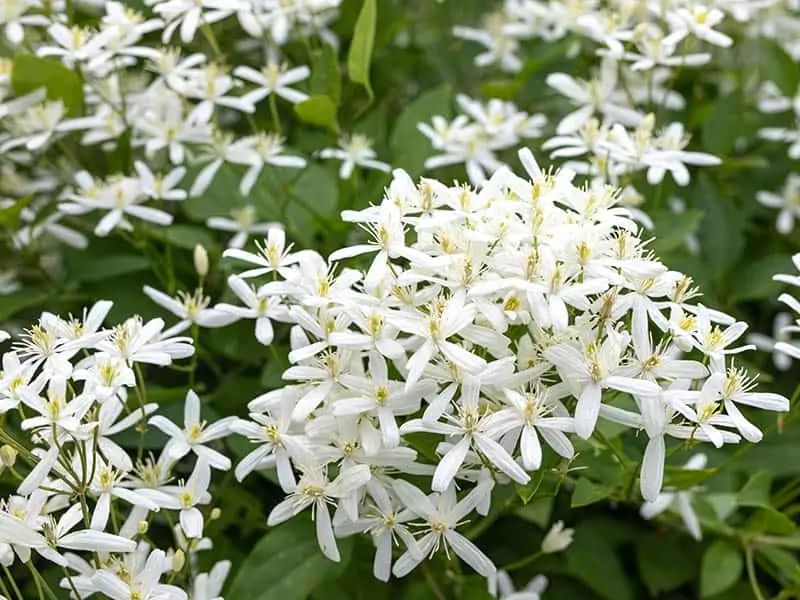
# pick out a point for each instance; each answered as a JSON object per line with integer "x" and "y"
{"x": 13, "y": 583}
{"x": 4, "y": 589}
{"x": 41, "y": 585}
{"x": 71, "y": 583}
{"x": 437, "y": 591}
{"x": 273, "y": 110}
{"x": 751, "y": 572}
{"x": 523, "y": 562}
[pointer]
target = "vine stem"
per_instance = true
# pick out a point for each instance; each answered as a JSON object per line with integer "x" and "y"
{"x": 751, "y": 572}
{"x": 13, "y": 583}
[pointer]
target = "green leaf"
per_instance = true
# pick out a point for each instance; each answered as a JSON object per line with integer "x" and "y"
{"x": 325, "y": 77}
{"x": 504, "y": 90}
{"x": 720, "y": 568}
{"x": 756, "y": 491}
{"x": 409, "y": 147}
{"x": 11, "y": 304}
{"x": 184, "y": 236}
{"x": 778, "y": 66}
{"x": 683, "y": 479}
{"x": 360, "y": 55}
{"x": 9, "y": 216}
{"x": 723, "y": 126}
{"x": 528, "y": 491}
{"x": 318, "y": 188}
{"x": 722, "y": 232}
{"x": 105, "y": 266}
{"x": 592, "y": 558}
{"x": 287, "y": 564}
{"x": 766, "y": 519}
{"x": 587, "y": 492}
{"x": 784, "y": 561}
{"x": 538, "y": 511}
{"x": 754, "y": 280}
{"x": 317, "y": 110}
{"x": 666, "y": 561}
{"x": 30, "y": 73}
{"x": 671, "y": 229}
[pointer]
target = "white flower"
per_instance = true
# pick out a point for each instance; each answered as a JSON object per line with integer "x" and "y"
{"x": 145, "y": 585}
{"x": 243, "y": 225}
{"x": 682, "y": 499}
{"x": 190, "y": 309}
{"x": 442, "y": 514}
{"x": 355, "y": 150}
{"x": 315, "y": 491}
{"x": 788, "y": 202}
{"x": 258, "y": 305}
{"x": 274, "y": 78}
{"x": 195, "y": 434}
{"x": 557, "y": 539}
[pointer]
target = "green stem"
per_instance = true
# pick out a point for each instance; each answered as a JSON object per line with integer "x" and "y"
{"x": 523, "y": 562}
{"x": 41, "y": 585}
{"x": 751, "y": 572}
{"x": 273, "y": 110}
{"x": 13, "y": 583}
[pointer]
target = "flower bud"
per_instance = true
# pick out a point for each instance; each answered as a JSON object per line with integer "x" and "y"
{"x": 178, "y": 560}
{"x": 8, "y": 456}
{"x": 142, "y": 527}
{"x": 216, "y": 513}
{"x": 200, "y": 260}
{"x": 557, "y": 539}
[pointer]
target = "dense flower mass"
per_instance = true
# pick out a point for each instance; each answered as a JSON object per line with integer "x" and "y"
{"x": 70, "y": 391}
{"x": 499, "y": 322}
{"x": 479, "y": 343}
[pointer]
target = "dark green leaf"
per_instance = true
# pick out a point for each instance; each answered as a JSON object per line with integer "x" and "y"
{"x": 682, "y": 479}
{"x": 587, "y": 492}
{"x": 409, "y": 147}
{"x": 784, "y": 561}
{"x": 184, "y": 236}
{"x": 671, "y": 229}
{"x": 9, "y": 216}
{"x": 317, "y": 110}
{"x": 287, "y": 564}
{"x": 98, "y": 268}
{"x": 723, "y": 126}
{"x": 360, "y": 55}
{"x": 29, "y": 73}
{"x": 666, "y": 561}
{"x": 754, "y": 280}
{"x": 593, "y": 559}
{"x": 11, "y": 304}
{"x": 318, "y": 190}
{"x": 768, "y": 520}
{"x": 325, "y": 77}
{"x": 720, "y": 568}
{"x": 756, "y": 491}
{"x": 778, "y": 66}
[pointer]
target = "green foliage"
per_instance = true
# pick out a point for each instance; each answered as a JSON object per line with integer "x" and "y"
{"x": 318, "y": 110}
{"x": 721, "y": 568}
{"x": 360, "y": 55}
{"x": 287, "y": 564}
{"x": 30, "y": 73}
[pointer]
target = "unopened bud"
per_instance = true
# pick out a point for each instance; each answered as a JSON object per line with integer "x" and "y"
{"x": 557, "y": 539}
{"x": 142, "y": 527}
{"x": 178, "y": 561}
{"x": 200, "y": 260}
{"x": 8, "y": 456}
{"x": 215, "y": 514}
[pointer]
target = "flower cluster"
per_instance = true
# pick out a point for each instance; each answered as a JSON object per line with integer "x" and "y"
{"x": 172, "y": 108}
{"x": 491, "y": 326}
{"x": 74, "y": 411}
